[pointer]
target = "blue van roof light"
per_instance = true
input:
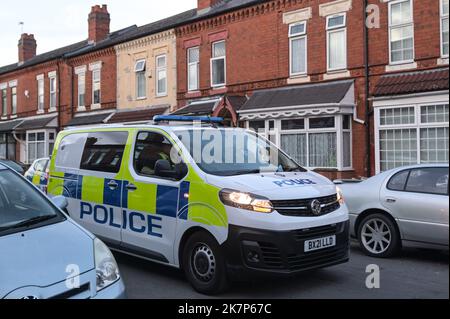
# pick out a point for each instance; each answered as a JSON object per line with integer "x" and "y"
{"x": 179, "y": 118}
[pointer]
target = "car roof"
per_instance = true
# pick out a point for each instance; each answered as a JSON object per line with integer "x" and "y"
{"x": 167, "y": 128}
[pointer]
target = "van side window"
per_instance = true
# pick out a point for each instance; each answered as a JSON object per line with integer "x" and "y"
{"x": 69, "y": 151}
{"x": 150, "y": 147}
{"x": 103, "y": 151}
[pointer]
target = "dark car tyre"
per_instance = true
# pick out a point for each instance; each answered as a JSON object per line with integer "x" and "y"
{"x": 378, "y": 236}
{"x": 204, "y": 264}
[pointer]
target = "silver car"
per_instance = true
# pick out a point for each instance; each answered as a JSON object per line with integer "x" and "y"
{"x": 403, "y": 207}
{"x": 44, "y": 254}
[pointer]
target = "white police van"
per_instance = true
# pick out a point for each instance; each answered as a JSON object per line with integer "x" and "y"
{"x": 220, "y": 203}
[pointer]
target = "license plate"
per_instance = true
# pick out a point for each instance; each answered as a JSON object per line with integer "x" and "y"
{"x": 320, "y": 243}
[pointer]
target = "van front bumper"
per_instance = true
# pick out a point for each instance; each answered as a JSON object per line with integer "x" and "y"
{"x": 251, "y": 251}
{"x": 115, "y": 291}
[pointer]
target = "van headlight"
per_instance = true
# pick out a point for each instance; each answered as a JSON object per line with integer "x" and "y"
{"x": 107, "y": 271}
{"x": 340, "y": 196}
{"x": 245, "y": 201}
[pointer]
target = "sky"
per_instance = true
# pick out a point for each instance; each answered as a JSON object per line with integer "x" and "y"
{"x": 56, "y": 23}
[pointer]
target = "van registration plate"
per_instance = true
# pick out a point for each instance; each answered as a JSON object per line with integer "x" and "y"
{"x": 320, "y": 243}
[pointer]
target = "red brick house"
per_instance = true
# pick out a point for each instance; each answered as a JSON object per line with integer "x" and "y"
{"x": 303, "y": 67}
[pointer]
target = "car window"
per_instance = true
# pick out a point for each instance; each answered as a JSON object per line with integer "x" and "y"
{"x": 151, "y": 147}
{"x": 40, "y": 165}
{"x": 21, "y": 202}
{"x": 103, "y": 151}
{"x": 398, "y": 181}
{"x": 428, "y": 180}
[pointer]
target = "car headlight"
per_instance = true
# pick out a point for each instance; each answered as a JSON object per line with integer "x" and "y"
{"x": 106, "y": 268}
{"x": 245, "y": 201}
{"x": 340, "y": 196}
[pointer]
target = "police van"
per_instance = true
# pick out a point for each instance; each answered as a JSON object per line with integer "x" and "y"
{"x": 219, "y": 203}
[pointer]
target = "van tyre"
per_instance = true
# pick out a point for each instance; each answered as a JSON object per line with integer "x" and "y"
{"x": 204, "y": 264}
{"x": 378, "y": 236}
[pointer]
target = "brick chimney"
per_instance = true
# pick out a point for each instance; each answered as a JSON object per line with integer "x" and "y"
{"x": 27, "y": 47}
{"x": 99, "y": 20}
{"x": 205, "y": 4}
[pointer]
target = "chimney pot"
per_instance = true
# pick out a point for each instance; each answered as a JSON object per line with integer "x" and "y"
{"x": 27, "y": 47}
{"x": 99, "y": 21}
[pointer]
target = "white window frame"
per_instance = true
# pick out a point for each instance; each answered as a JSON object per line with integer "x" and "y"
{"x": 337, "y": 29}
{"x": 224, "y": 58}
{"x": 81, "y": 88}
{"x": 52, "y": 92}
{"x": 406, "y": 24}
{"x": 158, "y": 70}
{"x": 46, "y": 143}
{"x": 298, "y": 36}
{"x": 13, "y": 101}
{"x": 138, "y": 70}
{"x": 197, "y": 68}
{"x": 278, "y": 132}
{"x": 417, "y": 125}
{"x": 96, "y": 105}
{"x": 442, "y": 18}
{"x": 40, "y": 93}
{"x": 4, "y": 89}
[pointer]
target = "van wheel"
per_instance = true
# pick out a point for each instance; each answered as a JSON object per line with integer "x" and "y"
{"x": 204, "y": 264}
{"x": 378, "y": 236}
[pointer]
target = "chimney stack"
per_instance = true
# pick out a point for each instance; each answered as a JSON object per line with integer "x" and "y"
{"x": 27, "y": 47}
{"x": 205, "y": 4}
{"x": 99, "y": 20}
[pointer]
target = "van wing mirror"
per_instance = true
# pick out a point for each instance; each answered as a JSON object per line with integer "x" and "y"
{"x": 60, "y": 202}
{"x": 164, "y": 169}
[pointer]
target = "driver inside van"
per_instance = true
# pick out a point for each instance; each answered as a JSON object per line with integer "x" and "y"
{"x": 153, "y": 147}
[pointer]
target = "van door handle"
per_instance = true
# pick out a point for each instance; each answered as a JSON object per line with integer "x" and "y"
{"x": 131, "y": 187}
{"x": 391, "y": 200}
{"x": 113, "y": 185}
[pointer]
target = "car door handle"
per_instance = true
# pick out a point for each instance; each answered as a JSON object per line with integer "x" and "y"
{"x": 113, "y": 185}
{"x": 131, "y": 187}
{"x": 391, "y": 200}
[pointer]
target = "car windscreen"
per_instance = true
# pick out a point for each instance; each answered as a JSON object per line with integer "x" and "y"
{"x": 227, "y": 152}
{"x": 22, "y": 206}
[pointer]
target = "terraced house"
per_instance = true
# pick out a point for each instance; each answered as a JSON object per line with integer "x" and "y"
{"x": 341, "y": 98}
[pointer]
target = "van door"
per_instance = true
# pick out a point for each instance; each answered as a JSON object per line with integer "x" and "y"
{"x": 151, "y": 202}
{"x": 100, "y": 185}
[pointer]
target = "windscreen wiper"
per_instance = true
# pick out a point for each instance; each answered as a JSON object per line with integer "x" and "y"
{"x": 33, "y": 221}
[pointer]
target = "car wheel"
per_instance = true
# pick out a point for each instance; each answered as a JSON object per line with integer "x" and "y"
{"x": 378, "y": 236}
{"x": 204, "y": 264}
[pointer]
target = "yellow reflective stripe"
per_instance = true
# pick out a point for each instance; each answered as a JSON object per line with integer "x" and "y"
{"x": 144, "y": 198}
{"x": 36, "y": 180}
{"x": 92, "y": 189}
{"x": 56, "y": 184}
{"x": 205, "y": 206}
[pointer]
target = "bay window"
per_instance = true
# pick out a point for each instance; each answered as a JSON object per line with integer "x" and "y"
{"x": 298, "y": 48}
{"x": 444, "y": 28}
{"x": 218, "y": 64}
{"x": 161, "y": 73}
{"x": 401, "y": 32}
{"x": 412, "y": 135}
{"x": 141, "y": 80}
{"x": 336, "y": 42}
{"x": 193, "y": 68}
{"x": 39, "y": 144}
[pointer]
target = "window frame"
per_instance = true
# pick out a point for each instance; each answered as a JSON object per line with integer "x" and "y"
{"x": 99, "y": 70}
{"x": 197, "y": 67}
{"x": 139, "y": 72}
{"x": 401, "y": 25}
{"x": 52, "y": 92}
{"x": 224, "y": 58}
{"x": 298, "y": 36}
{"x": 81, "y": 83}
{"x": 47, "y": 141}
{"x": 158, "y": 70}
{"x": 40, "y": 86}
{"x": 442, "y": 18}
{"x": 13, "y": 100}
{"x": 4, "y": 101}
{"x": 333, "y": 30}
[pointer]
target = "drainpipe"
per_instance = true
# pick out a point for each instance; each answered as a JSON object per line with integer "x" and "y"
{"x": 367, "y": 91}
{"x": 59, "y": 94}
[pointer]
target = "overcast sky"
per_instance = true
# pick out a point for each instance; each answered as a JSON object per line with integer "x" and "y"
{"x": 56, "y": 23}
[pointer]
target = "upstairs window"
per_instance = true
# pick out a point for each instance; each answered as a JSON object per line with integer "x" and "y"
{"x": 401, "y": 32}
{"x": 298, "y": 48}
{"x": 52, "y": 92}
{"x": 218, "y": 64}
{"x": 4, "y": 102}
{"x": 444, "y": 28}
{"x": 81, "y": 90}
{"x": 14, "y": 100}
{"x": 161, "y": 73}
{"x": 141, "y": 81}
{"x": 336, "y": 42}
{"x": 193, "y": 68}
{"x": 96, "y": 87}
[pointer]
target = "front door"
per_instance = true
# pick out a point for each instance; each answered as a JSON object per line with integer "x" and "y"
{"x": 150, "y": 202}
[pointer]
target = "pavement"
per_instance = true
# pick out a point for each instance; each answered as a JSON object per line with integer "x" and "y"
{"x": 415, "y": 273}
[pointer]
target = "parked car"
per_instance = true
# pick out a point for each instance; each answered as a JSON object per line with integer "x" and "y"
{"x": 403, "y": 207}
{"x": 37, "y": 174}
{"x": 15, "y": 165}
{"x": 45, "y": 253}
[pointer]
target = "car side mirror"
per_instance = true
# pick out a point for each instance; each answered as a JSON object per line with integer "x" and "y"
{"x": 164, "y": 169}
{"x": 60, "y": 202}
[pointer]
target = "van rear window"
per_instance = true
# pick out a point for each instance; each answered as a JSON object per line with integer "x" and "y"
{"x": 103, "y": 151}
